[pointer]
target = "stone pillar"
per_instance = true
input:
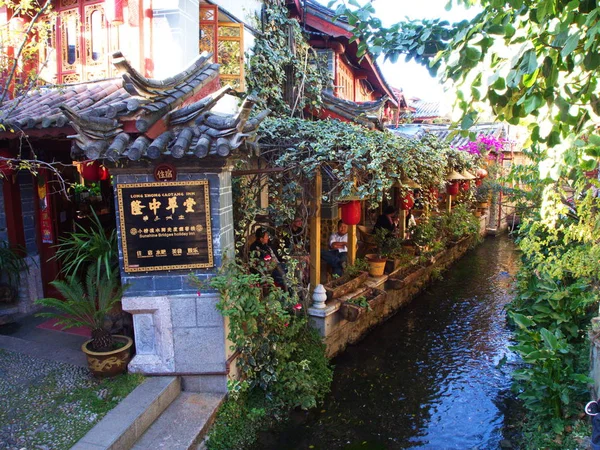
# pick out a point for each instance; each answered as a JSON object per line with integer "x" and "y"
{"x": 178, "y": 329}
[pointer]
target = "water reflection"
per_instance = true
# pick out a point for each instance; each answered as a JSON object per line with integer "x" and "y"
{"x": 427, "y": 378}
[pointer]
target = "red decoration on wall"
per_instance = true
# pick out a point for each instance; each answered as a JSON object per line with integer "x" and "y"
{"x": 90, "y": 170}
{"x": 452, "y": 188}
{"x": 351, "y": 212}
{"x": 165, "y": 172}
{"x": 407, "y": 202}
{"x": 45, "y": 208}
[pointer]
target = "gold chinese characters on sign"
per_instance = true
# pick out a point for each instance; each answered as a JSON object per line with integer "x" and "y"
{"x": 165, "y": 226}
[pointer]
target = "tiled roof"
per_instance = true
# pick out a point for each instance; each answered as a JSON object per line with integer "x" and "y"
{"x": 329, "y": 15}
{"x": 443, "y": 132}
{"x": 367, "y": 113}
{"x": 98, "y": 112}
{"x": 421, "y": 109}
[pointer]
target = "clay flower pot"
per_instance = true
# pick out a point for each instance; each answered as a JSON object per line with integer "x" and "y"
{"x": 109, "y": 364}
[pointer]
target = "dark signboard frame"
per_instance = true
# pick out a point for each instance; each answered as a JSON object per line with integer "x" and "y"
{"x": 189, "y": 230}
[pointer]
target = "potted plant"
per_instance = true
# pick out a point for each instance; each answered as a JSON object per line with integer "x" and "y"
{"x": 482, "y": 194}
{"x": 396, "y": 253}
{"x": 424, "y": 234}
{"x": 460, "y": 223}
{"x": 88, "y": 305}
{"x": 353, "y": 308}
{"x": 354, "y": 276}
{"x": 377, "y": 260}
{"x": 12, "y": 263}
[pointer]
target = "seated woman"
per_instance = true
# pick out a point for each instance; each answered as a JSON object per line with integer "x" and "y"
{"x": 387, "y": 220}
{"x": 261, "y": 250}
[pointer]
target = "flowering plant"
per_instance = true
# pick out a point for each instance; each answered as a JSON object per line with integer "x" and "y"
{"x": 485, "y": 145}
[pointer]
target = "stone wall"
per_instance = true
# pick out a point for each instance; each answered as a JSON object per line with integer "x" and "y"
{"x": 338, "y": 332}
{"x": 178, "y": 330}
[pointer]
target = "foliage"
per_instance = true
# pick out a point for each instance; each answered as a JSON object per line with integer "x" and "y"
{"x": 12, "y": 263}
{"x": 460, "y": 223}
{"x": 360, "y": 301}
{"x": 93, "y": 188}
{"x": 89, "y": 245}
{"x": 269, "y": 328}
{"x": 353, "y": 270}
{"x": 286, "y": 77}
{"x": 84, "y": 305}
{"x": 367, "y": 163}
{"x": 424, "y": 233}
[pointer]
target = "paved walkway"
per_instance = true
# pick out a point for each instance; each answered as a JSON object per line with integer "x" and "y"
{"x": 24, "y": 337}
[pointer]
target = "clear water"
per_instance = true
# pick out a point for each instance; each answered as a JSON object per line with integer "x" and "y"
{"x": 436, "y": 375}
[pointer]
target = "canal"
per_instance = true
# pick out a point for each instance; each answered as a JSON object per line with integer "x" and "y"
{"x": 437, "y": 375}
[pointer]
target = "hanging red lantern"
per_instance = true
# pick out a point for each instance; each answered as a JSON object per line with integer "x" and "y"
{"x": 481, "y": 173}
{"x": 6, "y": 168}
{"x": 407, "y": 202}
{"x": 351, "y": 212}
{"x": 103, "y": 173}
{"x": 434, "y": 193}
{"x": 465, "y": 185}
{"x": 452, "y": 188}
{"x": 90, "y": 170}
{"x": 478, "y": 182}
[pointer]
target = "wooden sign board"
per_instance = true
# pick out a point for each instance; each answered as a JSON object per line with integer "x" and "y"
{"x": 165, "y": 226}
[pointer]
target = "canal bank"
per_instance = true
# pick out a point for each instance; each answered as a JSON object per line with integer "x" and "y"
{"x": 436, "y": 375}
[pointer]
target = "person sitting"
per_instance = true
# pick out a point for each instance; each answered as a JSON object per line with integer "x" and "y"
{"x": 262, "y": 251}
{"x": 386, "y": 221}
{"x": 337, "y": 255}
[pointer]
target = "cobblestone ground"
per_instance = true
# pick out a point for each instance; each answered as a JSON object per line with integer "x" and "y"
{"x": 48, "y": 405}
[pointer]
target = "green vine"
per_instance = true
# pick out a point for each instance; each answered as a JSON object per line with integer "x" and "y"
{"x": 284, "y": 71}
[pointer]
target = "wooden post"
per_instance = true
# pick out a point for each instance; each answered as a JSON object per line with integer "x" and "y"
{"x": 402, "y": 224}
{"x": 12, "y": 208}
{"x": 351, "y": 244}
{"x": 449, "y": 204}
{"x": 315, "y": 234}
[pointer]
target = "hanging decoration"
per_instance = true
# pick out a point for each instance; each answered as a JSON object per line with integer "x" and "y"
{"x": 90, "y": 170}
{"x": 103, "y": 173}
{"x": 407, "y": 201}
{"x": 45, "y": 208}
{"x": 351, "y": 212}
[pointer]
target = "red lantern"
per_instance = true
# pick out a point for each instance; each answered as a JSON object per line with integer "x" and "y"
{"x": 481, "y": 173}
{"x": 407, "y": 202}
{"x": 5, "y": 167}
{"x": 465, "y": 185}
{"x": 452, "y": 188}
{"x": 103, "y": 173}
{"x": 351, "y": 212}
{"x": 478, "y": 182}
{"x": 90, "y": 170}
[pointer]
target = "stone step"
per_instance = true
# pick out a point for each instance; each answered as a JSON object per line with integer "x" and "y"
{"x": 127, "y": 422}
{"x": 183, "y": 424}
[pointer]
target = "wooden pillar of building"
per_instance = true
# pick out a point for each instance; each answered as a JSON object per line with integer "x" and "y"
{"x": 351, "y": 244}
{"x": 449, "y": 204}
{"x": 315, "y": 233}
{"x": 402, "y": 224}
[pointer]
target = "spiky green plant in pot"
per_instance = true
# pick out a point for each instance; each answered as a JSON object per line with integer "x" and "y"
{"x": 87, "y": 305}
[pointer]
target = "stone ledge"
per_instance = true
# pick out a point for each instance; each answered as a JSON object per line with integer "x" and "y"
{"x": 128, "y": 421}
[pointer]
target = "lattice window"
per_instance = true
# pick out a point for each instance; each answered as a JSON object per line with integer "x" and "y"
{"x": 95, "y": 43}
{"x": 208, "y": 29}
{"x": 70, "y": 40}
{"x": 47, "y": 59}
{"x": 230, "y": 51}
{"x": 81, "y": 43}
{"x": 345, "y": 81}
